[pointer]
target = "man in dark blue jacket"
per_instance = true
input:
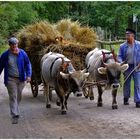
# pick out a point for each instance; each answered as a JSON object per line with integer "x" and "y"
{"x": 130, "y": 52}
{"x": 17, "y": 70}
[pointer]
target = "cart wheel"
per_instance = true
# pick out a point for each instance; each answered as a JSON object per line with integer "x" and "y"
{"x": 34, "y": 88}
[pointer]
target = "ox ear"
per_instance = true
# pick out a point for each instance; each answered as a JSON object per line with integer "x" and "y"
{"x": 102, "y": 70}
{"x": 124, "y": 67}
{"x": 65, "y": 76}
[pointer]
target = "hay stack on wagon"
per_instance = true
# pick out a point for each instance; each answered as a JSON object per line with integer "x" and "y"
{"x": 77, "y": 35}
{"x": 66, "y": 37}
{"x": 77, "y": 41}
{"x": 36, "y": 36}
{"x": 41, "y": 34}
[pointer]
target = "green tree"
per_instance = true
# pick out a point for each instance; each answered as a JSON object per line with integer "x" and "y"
{"x": 52, "y": 11}
{"x": 111, "y": 16}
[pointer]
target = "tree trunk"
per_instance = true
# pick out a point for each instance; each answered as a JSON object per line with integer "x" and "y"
{"x": 116, "y": 27}
{"x": 130, "y": 21}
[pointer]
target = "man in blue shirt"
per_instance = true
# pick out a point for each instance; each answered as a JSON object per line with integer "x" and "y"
{"x": 17, "y": 70}
{"x": 130, "y": 53}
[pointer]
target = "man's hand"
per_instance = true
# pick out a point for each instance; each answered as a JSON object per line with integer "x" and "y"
{"x": 28, "y": 79}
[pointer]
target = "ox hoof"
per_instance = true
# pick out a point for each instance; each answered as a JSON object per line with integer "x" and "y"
{"x": 99, "y": 104}
{"x": 48, "y": 106}
{"x": 86, "y": 96}
{"x": 115, "y": 107}
{"x": 58, "y": 103}
{"x": 79, "y": 94}
{"x": 63, "y": 112}
{"x": 91, "y": 98}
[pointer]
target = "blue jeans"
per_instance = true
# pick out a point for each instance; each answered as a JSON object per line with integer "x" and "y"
{"x": 126, "y": 87}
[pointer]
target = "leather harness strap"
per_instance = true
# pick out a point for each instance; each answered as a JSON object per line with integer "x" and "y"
{"x": 53, "y": 65}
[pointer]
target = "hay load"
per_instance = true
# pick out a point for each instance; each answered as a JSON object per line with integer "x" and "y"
{"x": 65, "y": 36}
{"x": 65, "y": 32}
{"x": 76, "y": 41}
{"x": 77, "y": 35}
{"x": 36, "y": 36}
{"x": 68, "y": 29}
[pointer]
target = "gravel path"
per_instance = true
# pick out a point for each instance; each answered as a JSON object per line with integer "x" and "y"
{"x": 83, "y": 119}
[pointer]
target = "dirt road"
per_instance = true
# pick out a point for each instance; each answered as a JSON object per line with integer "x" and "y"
{"x": 83, "y": 119}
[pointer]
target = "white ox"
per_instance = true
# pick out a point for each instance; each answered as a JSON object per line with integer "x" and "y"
{"x": 57, "y": 71}
{"x": 104, "y": 69}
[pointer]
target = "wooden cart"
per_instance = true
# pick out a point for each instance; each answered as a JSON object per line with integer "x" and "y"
{"x": 36, "y": 76}
{"x": 75, "y": 54}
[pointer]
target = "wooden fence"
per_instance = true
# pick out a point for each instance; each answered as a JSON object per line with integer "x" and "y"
{"x": 102, "y": 43}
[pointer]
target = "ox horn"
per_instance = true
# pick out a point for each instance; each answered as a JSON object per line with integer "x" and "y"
{"x": 64, "y": 75}
{"x": 105, "y": 64}
{"x": 84, "y": 71}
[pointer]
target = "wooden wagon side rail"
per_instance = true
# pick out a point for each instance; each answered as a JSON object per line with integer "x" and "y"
{"x": 110, "y": 42}
{"x": 102, "y": 43}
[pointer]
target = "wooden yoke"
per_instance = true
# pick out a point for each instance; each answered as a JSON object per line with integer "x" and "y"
{"x": 64, "y": 65}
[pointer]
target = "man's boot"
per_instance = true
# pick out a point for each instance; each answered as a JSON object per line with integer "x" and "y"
{"x": 126, "y": 102}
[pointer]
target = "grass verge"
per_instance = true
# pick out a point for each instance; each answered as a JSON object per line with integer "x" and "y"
{"x": 2, "y": 49}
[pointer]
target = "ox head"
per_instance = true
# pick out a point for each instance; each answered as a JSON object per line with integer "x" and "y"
{"x": 76, "y": 78}
{"x": 113, "y": 72}
{"x": 81, "y": 75}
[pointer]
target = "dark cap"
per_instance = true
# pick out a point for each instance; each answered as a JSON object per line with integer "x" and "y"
{"x": 13, "y": 41}
{"x": 130, "y": 31}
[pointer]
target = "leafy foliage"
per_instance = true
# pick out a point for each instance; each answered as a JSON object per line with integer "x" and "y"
{"x": 112, "y": 16}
